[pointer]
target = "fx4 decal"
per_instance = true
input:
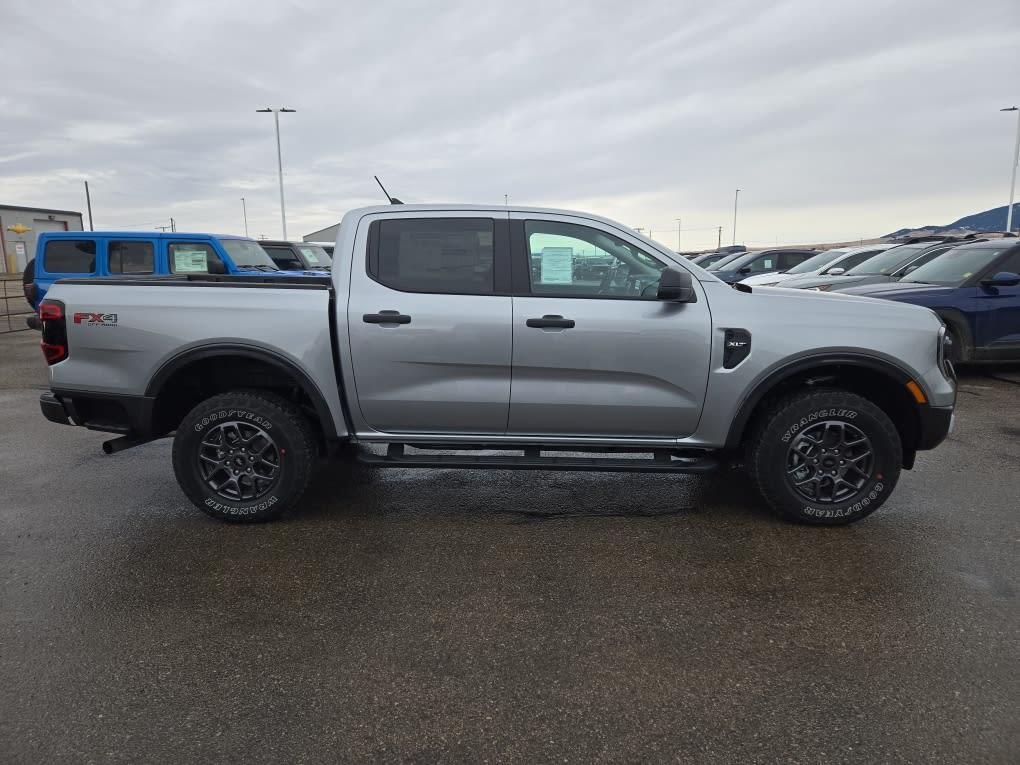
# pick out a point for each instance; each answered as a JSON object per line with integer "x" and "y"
{"x": 96, "y": 319}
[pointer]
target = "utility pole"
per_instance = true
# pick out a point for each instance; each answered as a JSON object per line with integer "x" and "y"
{"x": 1016, "y": 159}
{"x": 736, "y": 196}
{"x": 506, "y": 199}
{"x": 678, "y": 235}
{"x": 638, "y": 229}
{"x": 88, "y": 201}
{"x": 718, "y": 245}
{"x": 173, "y": 225}
{"x": 244, "y": 212}
{"x": 279, "y": 161}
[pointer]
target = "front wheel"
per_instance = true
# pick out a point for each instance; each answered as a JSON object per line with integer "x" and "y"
{"x": 244, "y": 456}
{"x": 825, "y": 457}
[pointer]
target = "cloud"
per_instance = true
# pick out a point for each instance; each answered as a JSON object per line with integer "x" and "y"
{"x": 835, "y": 120}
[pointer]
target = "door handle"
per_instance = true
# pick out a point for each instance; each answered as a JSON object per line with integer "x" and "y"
{"x": 551, "y": 321}
{"x": 386, "y": 317}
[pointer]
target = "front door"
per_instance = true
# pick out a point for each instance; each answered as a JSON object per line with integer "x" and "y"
{"x": 429, "y": 324}
{"x": 594, "y": 353}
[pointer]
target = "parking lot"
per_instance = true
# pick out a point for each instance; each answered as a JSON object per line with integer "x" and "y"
{"x": 504, "y": 616}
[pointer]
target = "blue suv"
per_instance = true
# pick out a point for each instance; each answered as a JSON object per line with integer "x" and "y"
{"x": 975, "y": 289}
{"x": 78, "y": 254}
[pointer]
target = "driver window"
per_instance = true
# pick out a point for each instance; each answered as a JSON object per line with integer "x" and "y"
{"x": 577, "y": 261}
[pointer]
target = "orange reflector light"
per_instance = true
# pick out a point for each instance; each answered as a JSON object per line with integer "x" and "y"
{"x": 916, "y": 392}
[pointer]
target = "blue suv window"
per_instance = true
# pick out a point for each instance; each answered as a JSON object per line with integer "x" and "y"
{"x": 66, "y": 256}
{"x": 131, "y": 257}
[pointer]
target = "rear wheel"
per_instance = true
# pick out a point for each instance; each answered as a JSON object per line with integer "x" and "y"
{"x": 825, "y": 457}
{"x": 244, "y": 456}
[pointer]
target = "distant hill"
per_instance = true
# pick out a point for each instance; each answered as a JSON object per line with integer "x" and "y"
{"x": 989, "y": 220}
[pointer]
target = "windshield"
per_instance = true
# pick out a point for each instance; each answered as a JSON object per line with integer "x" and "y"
{"x": 889, "y": 261}
{"x": 813, "y": 264}
{"x": 953, "y": 268}
{"x": 247, "y": 253}
{"x": 315, "y": 255}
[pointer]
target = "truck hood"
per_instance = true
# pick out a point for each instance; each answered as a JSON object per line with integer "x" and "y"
{"x": 825, "y": 312}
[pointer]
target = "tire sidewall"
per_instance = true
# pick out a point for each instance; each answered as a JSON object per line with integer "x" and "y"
{"x": 207, "y": 416}
{"x": 780, "y": 435}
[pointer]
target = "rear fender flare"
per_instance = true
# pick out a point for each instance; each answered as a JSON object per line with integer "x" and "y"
{"x": 280, "y": 362}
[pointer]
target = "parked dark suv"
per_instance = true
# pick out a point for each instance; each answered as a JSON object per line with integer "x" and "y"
{"x": 297, "y": 256}
{"x": 759, "y": 262}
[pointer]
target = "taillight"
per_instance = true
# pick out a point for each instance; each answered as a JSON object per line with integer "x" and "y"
{"x": 51, "y": 310}
{"x": 54, "y": 331}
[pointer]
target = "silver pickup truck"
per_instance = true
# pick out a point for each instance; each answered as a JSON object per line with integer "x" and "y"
{"x": 501, "y": 338}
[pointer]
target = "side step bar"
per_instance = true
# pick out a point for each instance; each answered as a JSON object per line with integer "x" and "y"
{"x": 662, "y": 461}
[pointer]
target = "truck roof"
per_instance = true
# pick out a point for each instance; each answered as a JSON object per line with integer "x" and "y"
{"x": 145, "y": 234}
{"x": 457, "y": 207}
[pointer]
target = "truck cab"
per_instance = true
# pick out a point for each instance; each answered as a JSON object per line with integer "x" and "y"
{"x": 84, "y": 254}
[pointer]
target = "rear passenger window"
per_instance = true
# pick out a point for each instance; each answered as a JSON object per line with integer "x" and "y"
{"x": 131, "y": 257}
{"x": 444, "y": 255}
{"x": 70, "y": 257}
{"x": 791, "y": 259}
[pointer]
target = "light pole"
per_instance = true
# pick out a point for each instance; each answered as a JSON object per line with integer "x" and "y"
{"x": 736, "y": 196}
{"x": 1016, "y": 159}
{"x": 279, "y": 159}
{"x": 678, "y": 235}
{"x": 244, "y": 212}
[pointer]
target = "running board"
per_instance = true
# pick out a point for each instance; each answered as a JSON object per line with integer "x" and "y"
{"x": 662, "y": 461}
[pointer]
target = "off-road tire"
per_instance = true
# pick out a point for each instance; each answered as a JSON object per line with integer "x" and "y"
{"x": 281, "y": 422}
{"x": 771, "y": 453}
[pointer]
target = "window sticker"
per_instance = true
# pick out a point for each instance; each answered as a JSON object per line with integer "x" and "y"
{"x": 188, "y": 260}
{"x": 557, "y": 265}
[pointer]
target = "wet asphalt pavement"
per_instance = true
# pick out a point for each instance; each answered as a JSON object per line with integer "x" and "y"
{"x": 504, "y": 616}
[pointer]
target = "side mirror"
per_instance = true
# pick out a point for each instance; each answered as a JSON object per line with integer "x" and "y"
{"x": 215, "y": 265}
{"x": 837, "y": 271}
{"x": 744, "y": 270}
{"x": 676, "y": 286}
{"x": 910, "y": 269}
{"x": 1002, "y": 279}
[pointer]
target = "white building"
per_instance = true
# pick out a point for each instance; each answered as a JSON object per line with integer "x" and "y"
{"x": 19, "y": 226}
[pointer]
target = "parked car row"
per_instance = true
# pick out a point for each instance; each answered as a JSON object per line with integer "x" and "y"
{"x": 972, "y": 283}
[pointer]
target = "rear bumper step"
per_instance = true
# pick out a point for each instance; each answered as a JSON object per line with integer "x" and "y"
{"x": 662, "y": 461}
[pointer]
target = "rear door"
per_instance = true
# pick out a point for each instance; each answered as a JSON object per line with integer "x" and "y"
{"x": 429, "y": 323}
{"x": 594, "y": 353}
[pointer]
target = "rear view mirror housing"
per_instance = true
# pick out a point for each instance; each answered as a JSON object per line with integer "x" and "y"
{"x": 837, "y": 271}
{"x": 215, "y": 266}
{"x": 1002, "y": 279}
{"x": 676, "y": 286}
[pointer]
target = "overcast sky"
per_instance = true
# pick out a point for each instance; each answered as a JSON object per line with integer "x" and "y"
{"x": 836, "y": 119}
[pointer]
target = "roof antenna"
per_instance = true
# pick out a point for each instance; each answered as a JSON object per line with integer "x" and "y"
{"x": 393, "y": 200}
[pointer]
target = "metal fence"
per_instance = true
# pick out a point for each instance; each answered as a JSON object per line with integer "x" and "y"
{"x": 14, "y": 309}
